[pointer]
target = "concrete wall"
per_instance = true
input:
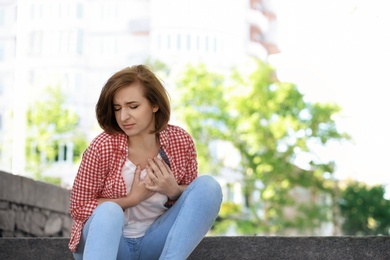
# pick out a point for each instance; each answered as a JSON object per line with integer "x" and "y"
{"x": 32, "y": 209}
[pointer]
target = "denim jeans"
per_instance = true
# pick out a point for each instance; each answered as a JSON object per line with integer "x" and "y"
{"x": 174, "y": 235}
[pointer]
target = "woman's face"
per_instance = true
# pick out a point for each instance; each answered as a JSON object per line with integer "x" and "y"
{"x": 133, "y": 112}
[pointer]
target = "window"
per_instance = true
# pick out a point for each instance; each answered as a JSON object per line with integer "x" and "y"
{"x": 178, "y": 42}
{"x": 32, "y": 11}
{"x": 1, "y": 88}
{"x": 78, "y": 80}
{"x": 2, "y": 17}
{"x": 159, "y": 41}
{"x": 188, "y": 42}
{"x": 65, "y": 152}
{"x": 2, "y": 57}
{"x": 168, "y": 41}
{"x": 80, "y": 42}
{"x": 79, "y": 10}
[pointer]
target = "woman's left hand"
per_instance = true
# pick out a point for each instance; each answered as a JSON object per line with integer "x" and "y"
{"x": 161, "y": 179}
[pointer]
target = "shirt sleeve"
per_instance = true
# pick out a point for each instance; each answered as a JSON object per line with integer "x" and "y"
{"x": 88, "y": 181}
{"x": 191, "y": 167}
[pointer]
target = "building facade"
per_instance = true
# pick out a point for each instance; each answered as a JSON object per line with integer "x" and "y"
{"x": 77, "y": 44}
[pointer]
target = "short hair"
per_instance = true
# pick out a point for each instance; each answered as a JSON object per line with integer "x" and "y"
{"x": 153, "y": 90}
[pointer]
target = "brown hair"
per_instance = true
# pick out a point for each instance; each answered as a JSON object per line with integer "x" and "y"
{"x": 154, "y": 92}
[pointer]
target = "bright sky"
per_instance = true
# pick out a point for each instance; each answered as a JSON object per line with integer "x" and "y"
{"x": 339, "y": 50}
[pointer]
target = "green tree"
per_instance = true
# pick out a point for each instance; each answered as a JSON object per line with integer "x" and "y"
{"x": 365, "y": 210}
{"x": 50, "y": 125}
{"x": 270, "y": 125}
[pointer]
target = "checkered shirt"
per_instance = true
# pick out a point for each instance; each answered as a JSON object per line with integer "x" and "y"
{"x": 100, "y": 172}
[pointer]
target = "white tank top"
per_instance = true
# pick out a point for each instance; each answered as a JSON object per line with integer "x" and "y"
{"x": 140, "y": 217}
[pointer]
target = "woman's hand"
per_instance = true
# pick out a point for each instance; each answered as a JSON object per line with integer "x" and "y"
{"x": 139, "y": 192}
{"x": 161, "y": 179}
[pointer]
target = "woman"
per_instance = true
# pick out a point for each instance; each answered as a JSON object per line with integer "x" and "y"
{"x": 137, "y": 194}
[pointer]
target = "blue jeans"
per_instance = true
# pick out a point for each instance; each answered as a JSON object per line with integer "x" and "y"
{"x": 174, "y": 235}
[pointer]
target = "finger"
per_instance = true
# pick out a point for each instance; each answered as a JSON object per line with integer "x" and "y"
{"x": 152, "y": 176}
{"x": 151, "y": 180}
{"x": 155, "y": 168}
{"x": 148, "y": 180}
{"x": 137, "y": 174}
{"x": 150, "y": 187}
{"x": 167, "y": 167}
{"x": 163, "y": 166}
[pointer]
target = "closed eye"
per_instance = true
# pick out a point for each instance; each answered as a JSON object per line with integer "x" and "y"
{"x": 131, "y": 105}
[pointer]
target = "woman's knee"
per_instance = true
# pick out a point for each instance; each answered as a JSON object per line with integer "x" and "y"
{"x": 110, "y": 209}
{"x": 209, "y": 185}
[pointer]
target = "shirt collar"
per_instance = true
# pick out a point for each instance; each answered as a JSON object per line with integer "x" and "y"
{"x": 164, "y": 138}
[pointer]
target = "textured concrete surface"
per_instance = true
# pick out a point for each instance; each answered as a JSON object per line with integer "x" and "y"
{"x": 293, "y": 248}
{"x": 226, "y": 248}
{"x": 31, "y": 208}
{"x": 34, "y": 248}
{"x": 26, "y": 191}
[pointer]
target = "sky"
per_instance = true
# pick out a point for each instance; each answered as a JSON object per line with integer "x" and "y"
{"x": 338, "y": 51}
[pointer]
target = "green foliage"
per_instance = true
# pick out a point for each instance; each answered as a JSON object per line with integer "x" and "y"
{"x": 205, "y": 108}
{"x": 228, "y": 215}
{"x": 51, "y": 124}
{"x": 270, "y": 124}
{"x": 365, "y": 210}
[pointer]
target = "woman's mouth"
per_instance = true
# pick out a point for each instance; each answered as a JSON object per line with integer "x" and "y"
{"x": 128, "y": 126}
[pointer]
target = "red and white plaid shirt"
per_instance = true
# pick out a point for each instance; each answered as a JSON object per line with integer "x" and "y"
{"x": 100, "y": 172}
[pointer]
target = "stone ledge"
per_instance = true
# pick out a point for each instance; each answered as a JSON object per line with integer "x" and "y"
{"x": 226, "y": 248}
{"x": 25, "y": 191}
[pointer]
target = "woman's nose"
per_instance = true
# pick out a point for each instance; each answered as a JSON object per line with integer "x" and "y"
{"x": 125, "y": 114}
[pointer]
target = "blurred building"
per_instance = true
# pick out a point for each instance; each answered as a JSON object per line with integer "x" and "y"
{"x": 78, "y": 44}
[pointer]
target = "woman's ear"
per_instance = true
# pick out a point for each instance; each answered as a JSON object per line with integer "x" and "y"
{"x": 155, "y": 108}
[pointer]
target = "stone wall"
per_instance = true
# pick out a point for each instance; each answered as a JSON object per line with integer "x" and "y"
{"x": 31, "y": 208}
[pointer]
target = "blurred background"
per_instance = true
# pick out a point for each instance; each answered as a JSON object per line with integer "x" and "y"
{"x": 286, "y": 99}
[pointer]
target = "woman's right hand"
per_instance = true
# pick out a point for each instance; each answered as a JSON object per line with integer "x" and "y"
{"x": 138, "y": 192}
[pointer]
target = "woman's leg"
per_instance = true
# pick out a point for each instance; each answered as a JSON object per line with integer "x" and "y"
{"x": 179, "y": 230}
{"x": 102, "y": 235}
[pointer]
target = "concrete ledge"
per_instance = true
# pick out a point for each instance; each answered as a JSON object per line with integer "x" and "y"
{"x": 34, "y": 248}
{"x": 278, "y": 248}
{"x": 25, "y": 191}
{"x": 226, "y": 248}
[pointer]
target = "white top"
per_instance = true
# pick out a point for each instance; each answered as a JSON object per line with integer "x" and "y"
{"x": 140, "y": 217}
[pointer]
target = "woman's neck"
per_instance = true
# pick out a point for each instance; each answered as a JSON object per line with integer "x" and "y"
{"x": 146, "y": 142}
{"x": 142, "y": 149}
